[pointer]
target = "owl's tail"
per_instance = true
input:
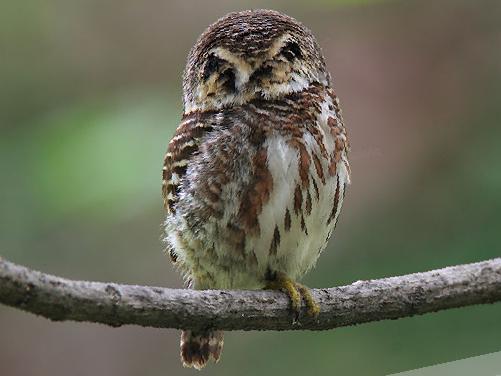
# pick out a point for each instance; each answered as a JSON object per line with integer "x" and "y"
{"x": 198, "y": 348}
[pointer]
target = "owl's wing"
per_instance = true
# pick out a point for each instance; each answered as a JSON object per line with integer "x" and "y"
{"x": 181, "y": 149}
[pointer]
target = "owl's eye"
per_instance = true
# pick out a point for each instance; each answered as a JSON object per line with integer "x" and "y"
{"x": 291, "y": 51}
{"x": 228, "y": 78}
{"x": 213, "y": 64}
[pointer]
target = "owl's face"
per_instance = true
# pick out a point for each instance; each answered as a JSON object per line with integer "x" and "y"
{"x": 249, "y": 55}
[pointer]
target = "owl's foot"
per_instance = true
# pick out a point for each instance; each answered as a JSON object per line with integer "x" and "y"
{"x": 295, "y": 291}
{"x": 312, "y": 307}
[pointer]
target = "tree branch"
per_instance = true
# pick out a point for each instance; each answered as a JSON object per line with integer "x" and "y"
{"x": 108, "y": 303}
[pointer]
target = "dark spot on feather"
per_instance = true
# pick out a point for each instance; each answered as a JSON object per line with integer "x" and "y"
{"x": 287, "y": 220}
{"x": 317, "y": 194}
{"x": 275, "y": 242}
{"x": 303, "y": 225}
{"x": 318, "y": 167}
{"x": 331, "y": 122}
{"x": 180, "y": 170}
{"x": 336, "y": 203}
{"x": 173, "y": 256}
{"x": 298, "y": 199}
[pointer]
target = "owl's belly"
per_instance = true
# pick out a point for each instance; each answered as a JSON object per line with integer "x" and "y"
{"x": 286, "y": 229}
{"x": 302, "y": 210}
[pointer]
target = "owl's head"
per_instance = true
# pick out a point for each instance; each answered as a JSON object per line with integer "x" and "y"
{"x": 248, "y": 55}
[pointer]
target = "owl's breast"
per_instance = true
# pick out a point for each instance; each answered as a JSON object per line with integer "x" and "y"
{"x": 302, "y": 210}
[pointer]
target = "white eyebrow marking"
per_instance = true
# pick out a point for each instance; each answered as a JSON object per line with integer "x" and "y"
{"x": 278, "y": 44}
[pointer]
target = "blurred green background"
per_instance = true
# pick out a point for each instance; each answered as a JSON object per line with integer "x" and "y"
{"x": 90, "y": 95}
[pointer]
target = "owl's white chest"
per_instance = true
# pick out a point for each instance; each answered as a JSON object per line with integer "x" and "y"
{"x": 304, "y": 232}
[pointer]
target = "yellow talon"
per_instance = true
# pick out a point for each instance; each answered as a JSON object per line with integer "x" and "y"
{"x": 313, "y": 308}
{"x": 295, "y": 291}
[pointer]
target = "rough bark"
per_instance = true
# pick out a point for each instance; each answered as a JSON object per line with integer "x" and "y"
{"x": 363, "y": 301}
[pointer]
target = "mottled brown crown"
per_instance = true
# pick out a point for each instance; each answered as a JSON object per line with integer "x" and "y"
{"x": 251, "y": 53}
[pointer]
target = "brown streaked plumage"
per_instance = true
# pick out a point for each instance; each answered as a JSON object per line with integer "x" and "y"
{"x": 255, "y": 175}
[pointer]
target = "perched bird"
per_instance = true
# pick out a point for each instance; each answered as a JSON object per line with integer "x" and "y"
{"x": 255, "y": 175}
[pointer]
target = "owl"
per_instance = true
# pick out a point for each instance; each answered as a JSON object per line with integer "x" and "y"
{"x": 256, "y": 172}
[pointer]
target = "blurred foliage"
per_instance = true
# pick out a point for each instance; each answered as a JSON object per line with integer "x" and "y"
{"x": 123, "y": 166}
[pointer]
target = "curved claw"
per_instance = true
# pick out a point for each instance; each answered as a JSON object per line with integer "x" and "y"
{"x": 313, "y": 308}
{"x": 296, "y": 292}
